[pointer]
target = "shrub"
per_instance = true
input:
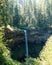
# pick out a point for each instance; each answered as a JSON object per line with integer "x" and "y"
{"x": 46, "y": 53}
{"x": 32, "y": 61}
{"x": 5, "y": 57}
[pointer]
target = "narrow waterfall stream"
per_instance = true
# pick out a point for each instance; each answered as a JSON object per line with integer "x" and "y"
{"x": 26, "y": 43}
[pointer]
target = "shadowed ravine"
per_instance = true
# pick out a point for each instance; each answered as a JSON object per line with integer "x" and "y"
{"x": 36, "y": 41}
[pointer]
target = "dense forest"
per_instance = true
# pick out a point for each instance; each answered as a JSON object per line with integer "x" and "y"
{"x": 25, "y": 32}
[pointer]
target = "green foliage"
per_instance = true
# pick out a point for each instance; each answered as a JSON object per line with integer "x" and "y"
{"x": 32, "y": 15}
{"x": 29, "y": 15}
{"x": 5, "y": 15}
{"x": 16, "y": 18}
{"x": 5, "y": 58}
{"x": 32, "y": 61}
{"x": 46, "y": 53}
{"x": 8, "y": 61}
{"x": 3, "y": 12}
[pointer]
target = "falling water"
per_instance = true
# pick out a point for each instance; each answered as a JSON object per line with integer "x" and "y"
{"x": 26, "y": 42}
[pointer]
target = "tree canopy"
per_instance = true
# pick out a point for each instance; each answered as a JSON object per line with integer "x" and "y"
{"x": 26, "y": 14}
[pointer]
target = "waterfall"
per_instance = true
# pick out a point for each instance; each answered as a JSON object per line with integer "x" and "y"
{"x": 26, "y": 43}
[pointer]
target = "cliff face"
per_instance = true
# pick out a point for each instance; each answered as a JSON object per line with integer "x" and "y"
{"x": 34, "y": 36}
{"x": 16, "y": 42}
